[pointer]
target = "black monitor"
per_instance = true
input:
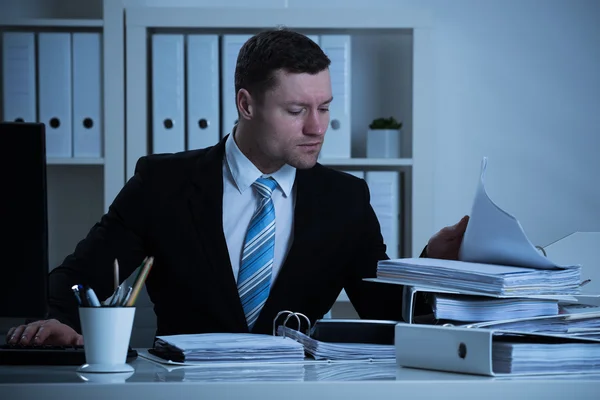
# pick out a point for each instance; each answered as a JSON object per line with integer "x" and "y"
{"x": 23, "y": 220}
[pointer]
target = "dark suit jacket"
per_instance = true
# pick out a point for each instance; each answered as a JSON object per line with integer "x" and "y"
{"x": 172, "y": 209}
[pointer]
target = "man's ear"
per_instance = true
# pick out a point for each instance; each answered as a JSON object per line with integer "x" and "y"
{"x": 245, "y": 104}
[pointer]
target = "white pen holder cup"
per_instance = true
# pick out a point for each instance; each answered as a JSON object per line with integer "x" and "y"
{"x": 106, "y": 335}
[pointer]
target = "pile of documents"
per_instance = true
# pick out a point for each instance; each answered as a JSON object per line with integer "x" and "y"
{"x": 479, "y": 278}
{"x": 351, "y": 371}
{"x": 458, "y": 307}
{"x": 522, "y": 354}
{"x": 321, "y": 350}
{"x": 582, "y": 324}
{"x": 227, "y": 347}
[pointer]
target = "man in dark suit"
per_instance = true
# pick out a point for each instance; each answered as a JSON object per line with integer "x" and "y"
{"x": 246, "y": 228}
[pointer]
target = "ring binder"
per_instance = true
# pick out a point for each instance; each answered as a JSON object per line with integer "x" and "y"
{"x": 291, "y": 313}
{"x": 331, "y": 340}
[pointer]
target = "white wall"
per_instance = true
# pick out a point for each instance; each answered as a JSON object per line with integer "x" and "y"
{"x": 519, "y": 81}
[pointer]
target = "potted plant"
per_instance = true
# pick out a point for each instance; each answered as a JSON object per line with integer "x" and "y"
{"x": 383, "y": 138}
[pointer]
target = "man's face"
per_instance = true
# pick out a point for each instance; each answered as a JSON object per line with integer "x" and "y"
{"x": 292, "y": 119}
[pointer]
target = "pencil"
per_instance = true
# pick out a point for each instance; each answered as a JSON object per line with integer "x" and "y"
{"x": 139, "y": 282}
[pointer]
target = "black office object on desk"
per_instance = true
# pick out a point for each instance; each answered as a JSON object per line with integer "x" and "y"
{"x": 23, "y": 218}
{"x": 47, "y": 355}
{"x": 354, "y": 331}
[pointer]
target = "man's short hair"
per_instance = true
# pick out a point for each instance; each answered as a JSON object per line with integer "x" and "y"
{"x": 272, "y": 50}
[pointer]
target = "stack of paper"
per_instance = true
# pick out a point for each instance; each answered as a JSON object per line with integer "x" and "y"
{"x": 479, "y": 278}
{"x": 521, "y": 355}
{"x": 478, "y": 308}
{"x": 240, "y": 372}
{"x": 320, "y": 350}
{"x": 351, "y": 371}
{"x": 581, "y": 324}
{"x": 227, "y": 347}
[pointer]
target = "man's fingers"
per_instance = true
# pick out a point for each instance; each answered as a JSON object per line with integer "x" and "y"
{"x": 78, "y": 340}
{"x": 42, "y": 335}
{"x": 16, "y": 334}
{"x": 10, "y": 333}
{"x": 28, "y": 334}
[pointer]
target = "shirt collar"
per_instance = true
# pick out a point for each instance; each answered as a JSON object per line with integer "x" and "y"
{"x": 244, "y": 173}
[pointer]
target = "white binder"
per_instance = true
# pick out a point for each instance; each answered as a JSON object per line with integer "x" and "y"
{"x": 87, "y": 99}
{"x": 409, "y": 297}
{"x": 202, "y": 81}
{"x": 231, "y": 45}
{"x": 168, "y": 121}
{"x": 385, "y": 200}
{"x": 337, "y": 142}
{"x": 19, "y": 97}
{"x": 469, "y": 351}
{"x": 55, "y": 109}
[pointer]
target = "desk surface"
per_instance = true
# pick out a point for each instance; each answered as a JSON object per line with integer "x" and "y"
{"x": 310, "y": 381}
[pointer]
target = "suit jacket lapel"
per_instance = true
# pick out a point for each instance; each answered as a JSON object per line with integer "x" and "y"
{"x": 206, "y": 206}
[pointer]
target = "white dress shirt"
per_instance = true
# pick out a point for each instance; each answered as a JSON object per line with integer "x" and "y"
{"x": 240, "y": 201}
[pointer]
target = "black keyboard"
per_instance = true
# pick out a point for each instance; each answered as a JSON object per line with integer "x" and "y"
{"x": 11, "y": 354}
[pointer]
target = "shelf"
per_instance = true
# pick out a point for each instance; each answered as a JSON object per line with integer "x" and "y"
{"x": 75, "y": 161}
{"x": 367, "y": 162}
{"x": 50, "y": 22}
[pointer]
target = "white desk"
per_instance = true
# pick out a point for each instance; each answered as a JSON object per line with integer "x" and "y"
{"x": 367, "y": 381}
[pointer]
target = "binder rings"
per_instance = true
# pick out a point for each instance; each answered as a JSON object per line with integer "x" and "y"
{"x": 493, "y": 352}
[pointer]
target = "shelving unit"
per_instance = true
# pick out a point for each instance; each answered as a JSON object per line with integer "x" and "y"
{"x": 77, "y": 195}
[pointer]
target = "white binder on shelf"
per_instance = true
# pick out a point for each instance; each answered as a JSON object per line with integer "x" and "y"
{"x": 493, "y": 352}
{"x": 168, "y": 99}
{"x": 87, "y": 98}
{"x": 230, "y": 48}
{"x": 338, "y": 141}
{"x": 385, "y": 200}
{"x": 19, "y": 97}
{"x": 202, "y": 81}
{"x": 55, "y": 101}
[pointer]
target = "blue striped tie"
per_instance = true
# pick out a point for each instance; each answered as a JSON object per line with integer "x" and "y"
{"x": 254, "y": 278}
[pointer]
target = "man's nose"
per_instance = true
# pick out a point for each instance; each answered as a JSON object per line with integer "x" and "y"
{"x": 316, "y": 123}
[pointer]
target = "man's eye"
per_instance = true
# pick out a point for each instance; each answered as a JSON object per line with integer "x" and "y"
{"x": 324, "y": 110}
{"x": 295, "y": 112}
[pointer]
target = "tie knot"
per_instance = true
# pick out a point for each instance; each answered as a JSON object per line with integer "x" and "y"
{"x": 265, "y": 186}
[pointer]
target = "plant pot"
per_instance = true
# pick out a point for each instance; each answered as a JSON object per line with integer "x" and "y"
{"x": 383, "y": 143}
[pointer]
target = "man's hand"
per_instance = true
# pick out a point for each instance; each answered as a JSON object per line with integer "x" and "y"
{"x": 48, "y": 331}
{"x": 446, "y": 243}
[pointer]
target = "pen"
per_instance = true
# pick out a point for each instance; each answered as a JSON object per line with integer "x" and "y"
{"x": 75, "y": 289}
{"x": 139, "y": 282}
{"x": 126, "y": 297}
{"x": 91, "y": 297}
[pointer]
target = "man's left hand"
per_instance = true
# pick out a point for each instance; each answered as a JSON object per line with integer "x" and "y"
{"x": 446, "y": 243}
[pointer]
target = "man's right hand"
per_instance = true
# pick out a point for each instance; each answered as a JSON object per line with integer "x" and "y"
{"x": 44, "y": 332}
